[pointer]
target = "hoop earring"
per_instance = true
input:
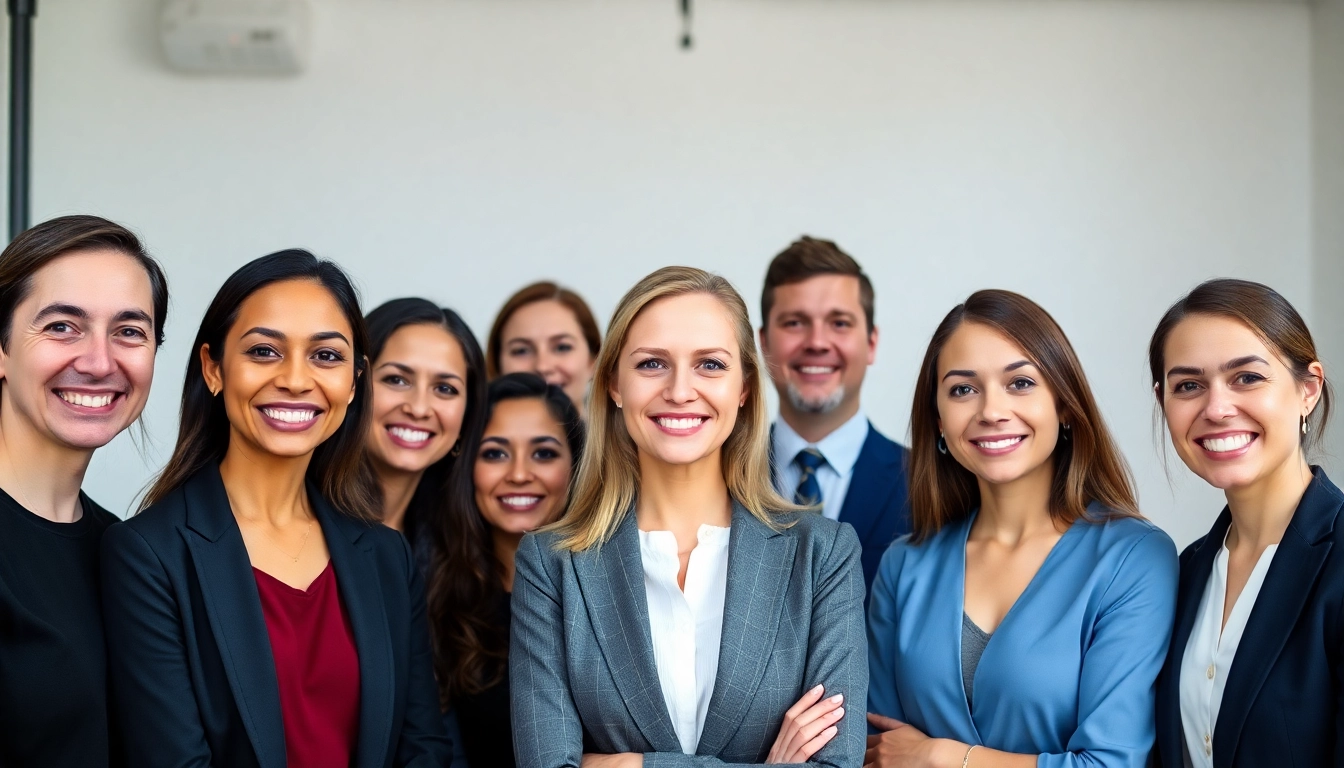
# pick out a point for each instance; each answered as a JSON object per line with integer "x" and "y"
{"x": 942, "y": 444}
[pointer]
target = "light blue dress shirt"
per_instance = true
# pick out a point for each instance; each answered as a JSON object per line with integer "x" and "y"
{"x": 841, "y": 450}
{"x": 1068, "y": 675}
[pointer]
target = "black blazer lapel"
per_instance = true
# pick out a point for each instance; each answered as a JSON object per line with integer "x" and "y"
{"x": 869, "y": 492}
{"x": 1194, "y": 578}
{"x": 362, "y": 594}
{"x": 760, "y": 562}
{"x": 1288, "y": 585}
{"x": 612, "y": 579}
{"x": 233, "y": 607}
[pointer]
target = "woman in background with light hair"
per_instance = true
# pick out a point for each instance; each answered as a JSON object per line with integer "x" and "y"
{"x": 708, "y": 622}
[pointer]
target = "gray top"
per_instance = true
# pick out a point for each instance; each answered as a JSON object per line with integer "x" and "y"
{"x": 973, "y": 642}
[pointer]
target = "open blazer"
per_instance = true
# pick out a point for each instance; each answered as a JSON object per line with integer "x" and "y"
{"x": 190, "y": 659}
{"x": 877, "y": 502}
{"x": 1068, "y": 675}
{"x": 581, "y": 658}
{"x": 1284, "y": 700}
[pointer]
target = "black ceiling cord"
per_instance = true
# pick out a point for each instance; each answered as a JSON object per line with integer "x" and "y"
{"x": 686, "y": 24}
{"x": 21, "y": 13}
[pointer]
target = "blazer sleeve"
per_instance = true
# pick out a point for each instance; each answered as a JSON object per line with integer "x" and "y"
{"x": 423, "y": 741}
{"x": 883, "y": 625}
{"x": 1120, "y": 666}
{"x": 837, "y": 657}
{"x": 147, "y": 658}
{"x": 547, "y": 732}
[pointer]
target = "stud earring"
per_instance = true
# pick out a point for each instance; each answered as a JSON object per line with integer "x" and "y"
{"x": 457, "y": 448}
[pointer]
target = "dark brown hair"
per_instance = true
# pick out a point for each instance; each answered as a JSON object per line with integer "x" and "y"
{"x": 543, "y": 291}
{"x": 1088, "y": 466}
{"x": 1268, "y": 315}
{"x": 338, "y": 467}
{"x": 471, "y": 649}
{"x": 808, "y": 257}
{"x": 44, "y": 243}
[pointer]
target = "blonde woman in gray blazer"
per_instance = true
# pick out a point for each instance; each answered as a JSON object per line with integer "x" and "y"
{"x": 682, "y": 613}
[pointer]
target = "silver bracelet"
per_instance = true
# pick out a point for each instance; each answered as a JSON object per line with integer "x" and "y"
{"x": 967, "y": 759}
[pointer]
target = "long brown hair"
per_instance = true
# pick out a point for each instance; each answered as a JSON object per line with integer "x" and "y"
{"x": 338, "y": 467}
{"x": 531, "y": 294}
{"x": 471, "y": 644}
{"x": 609, "y": 473}
{"x": 1268, "y": 315}
{"x": 1088, "y": 467}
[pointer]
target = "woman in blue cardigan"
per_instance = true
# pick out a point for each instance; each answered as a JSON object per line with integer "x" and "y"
{"x": 1024, "y": 621}
{"x": 1255, "y": 674}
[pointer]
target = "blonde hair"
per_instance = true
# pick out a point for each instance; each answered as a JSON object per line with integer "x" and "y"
{"x": 608, "y": 478}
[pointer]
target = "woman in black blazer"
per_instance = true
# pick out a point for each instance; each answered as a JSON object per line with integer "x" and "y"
{"x": 1255, "y": 672}
{"x": 257, "y": 615}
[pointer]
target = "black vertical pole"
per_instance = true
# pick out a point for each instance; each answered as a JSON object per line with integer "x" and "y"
{"x": 21, "y": 13}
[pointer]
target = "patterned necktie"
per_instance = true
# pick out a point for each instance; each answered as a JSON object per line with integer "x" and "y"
{"x": 809, "y": 490}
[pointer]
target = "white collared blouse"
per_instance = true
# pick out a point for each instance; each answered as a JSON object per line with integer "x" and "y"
{"x": 686, "y": 625}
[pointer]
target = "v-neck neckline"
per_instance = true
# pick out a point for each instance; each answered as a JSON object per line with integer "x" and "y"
{"x": 964, "y": 537}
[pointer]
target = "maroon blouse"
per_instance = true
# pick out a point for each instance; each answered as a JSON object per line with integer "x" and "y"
{"x": 317, "y": 667}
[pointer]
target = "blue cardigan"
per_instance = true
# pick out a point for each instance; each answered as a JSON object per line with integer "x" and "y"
{"x": 1069, "y": 673}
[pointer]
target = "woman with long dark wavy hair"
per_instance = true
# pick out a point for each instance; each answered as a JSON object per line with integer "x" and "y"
{"x": 427, "y": 377}
{"x": 257, "y": 613}
{"x": 1024, "y": 621}
{"x": 520, "y": 470}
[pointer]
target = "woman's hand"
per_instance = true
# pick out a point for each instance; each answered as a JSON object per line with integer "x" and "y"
{"x": 901, "y": 745}
{"x": 808, "y": 726}
{"x": 623, "y": 760}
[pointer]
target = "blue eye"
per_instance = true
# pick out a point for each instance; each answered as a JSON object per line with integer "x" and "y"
{"x": 649, "y": 364}
{"x": 714, "y": 365}
{"x": 447, "y": 390}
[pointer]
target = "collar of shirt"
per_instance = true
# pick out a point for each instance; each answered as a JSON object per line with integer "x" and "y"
{"x": 841, "y": 448}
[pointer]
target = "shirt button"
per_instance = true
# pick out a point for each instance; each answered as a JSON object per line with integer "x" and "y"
{"x": 1206, "y": 738}
{"x": 1208, "y": 750}
{"x": 1209, "y": 672}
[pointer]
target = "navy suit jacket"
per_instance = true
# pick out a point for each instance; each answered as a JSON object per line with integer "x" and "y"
{"x": 1284, "y": 700}
{"x": 877, "y": 503}
{"x": 190, "y": 659}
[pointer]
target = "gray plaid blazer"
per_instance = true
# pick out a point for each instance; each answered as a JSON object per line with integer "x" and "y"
{"x": 581, "y": 666}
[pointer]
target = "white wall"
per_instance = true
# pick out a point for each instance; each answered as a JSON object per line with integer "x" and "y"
{"x": 1328, "y": 164}
{"x": 1101, "y": 157}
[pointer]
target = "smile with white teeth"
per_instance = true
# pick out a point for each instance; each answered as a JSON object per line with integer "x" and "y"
{"x": 994, "y": 445}
{"x": 87, "y": 401}
{"x": 814, "y": 370}
{"x": 409, "y": 435}
{"x": 690, "y": 422}
{"x": 289, "y": 416}
{"x": 519, "y": 502}
{"x": 1225, "y": 444}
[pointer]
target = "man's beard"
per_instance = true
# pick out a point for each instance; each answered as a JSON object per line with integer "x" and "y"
{"x": 817, "y": 405}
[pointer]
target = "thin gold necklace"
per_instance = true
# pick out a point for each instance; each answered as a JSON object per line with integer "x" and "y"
{"x": 303, "y": 542}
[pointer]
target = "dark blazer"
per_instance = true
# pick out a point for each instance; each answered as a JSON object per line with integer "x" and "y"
{"x": 1284, "y": 700}
{"x": 581, "y": 663}
{"x": 190, "y": 659}
{"x": 877, "y": 503}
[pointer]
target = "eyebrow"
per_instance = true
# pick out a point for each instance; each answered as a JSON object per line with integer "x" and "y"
{"x": 971, "y": 374}
{"x": 271, "y": 333}
{"x": 404, "y": 368}
{"x": 60, "y": 309}
{"x": 1236, "y": 362}
{"x": 134, "y": 314}
{"x": 665, "y": 353}
{"x": 505, "y": 440}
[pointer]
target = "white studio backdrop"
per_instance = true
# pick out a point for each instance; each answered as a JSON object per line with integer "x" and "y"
{"x": 1101, "y": 157}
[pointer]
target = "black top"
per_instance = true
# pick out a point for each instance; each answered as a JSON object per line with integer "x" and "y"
{"x": 53, "y": 668}
{"x": 190, "y": 658}
{"x": 487, "y": 727}
{"x": 1283, "y": 704}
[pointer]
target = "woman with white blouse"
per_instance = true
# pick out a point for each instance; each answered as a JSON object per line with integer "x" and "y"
{"x": 682, "y": 613}
{"x": 1255, "y": 674}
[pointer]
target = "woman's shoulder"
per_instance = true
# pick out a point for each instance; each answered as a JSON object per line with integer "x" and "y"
{"x": 1112, "y": 529}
